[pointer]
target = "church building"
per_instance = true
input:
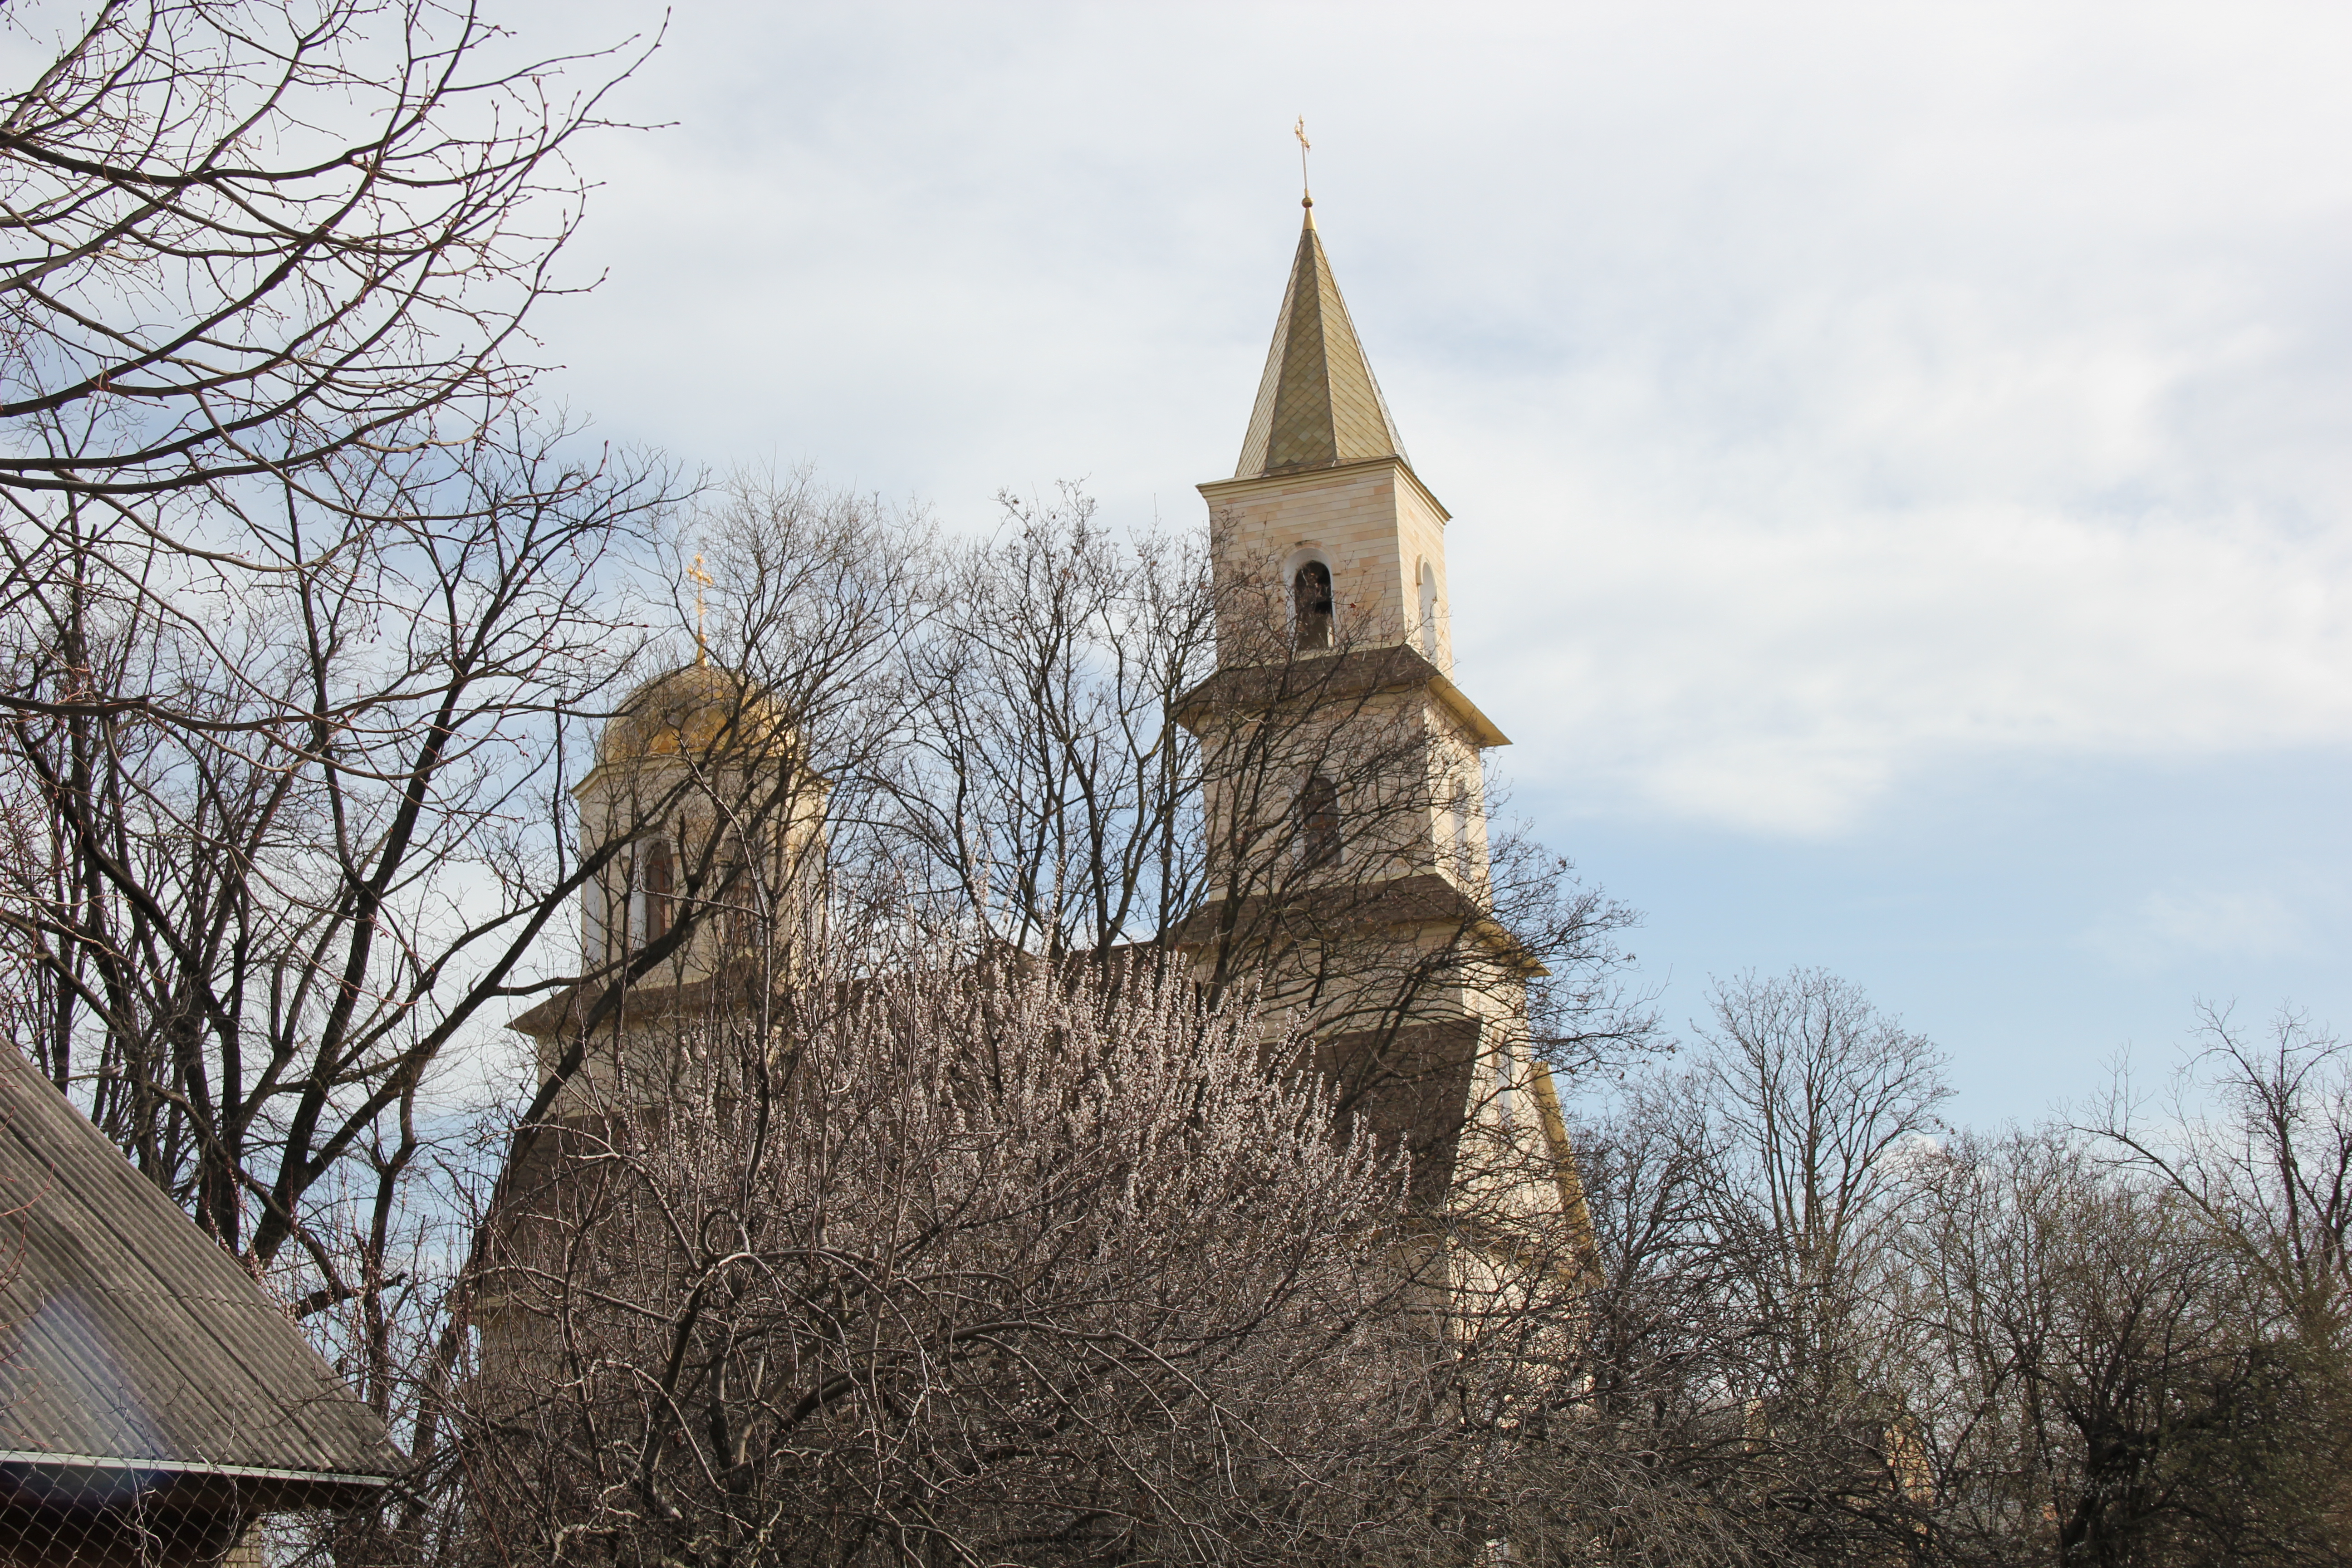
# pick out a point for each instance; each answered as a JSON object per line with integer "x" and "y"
{"x": 1349, "y": 876}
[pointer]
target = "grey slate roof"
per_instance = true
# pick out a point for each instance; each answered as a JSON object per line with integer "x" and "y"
{"x": 130, "y": 1344}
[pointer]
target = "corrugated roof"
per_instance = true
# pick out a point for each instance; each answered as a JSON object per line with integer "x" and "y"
{"x": 1318, "y": 404}
{"x": 127, "y": 1334}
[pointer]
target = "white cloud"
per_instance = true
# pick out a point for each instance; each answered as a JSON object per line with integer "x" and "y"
{"x": 1827, "y": 393}
{"x": 1783, "y": 675}
{"x": 2166, "y": 925}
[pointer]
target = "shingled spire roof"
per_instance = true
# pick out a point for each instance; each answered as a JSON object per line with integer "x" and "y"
{"x": 1318, "y": 406}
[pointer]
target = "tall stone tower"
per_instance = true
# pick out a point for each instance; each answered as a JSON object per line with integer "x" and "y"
{"x": 1347, "y": 852}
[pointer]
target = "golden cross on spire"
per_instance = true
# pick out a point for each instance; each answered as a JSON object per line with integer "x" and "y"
{"x": 701, "y": 581}
{"x": 1306, "y": 194}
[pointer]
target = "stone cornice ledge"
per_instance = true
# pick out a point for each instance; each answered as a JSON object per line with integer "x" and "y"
{"x": 1218, "y": 490}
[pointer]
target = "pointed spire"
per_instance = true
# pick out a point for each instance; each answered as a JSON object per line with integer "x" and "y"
{"x": 1318, "y": 404}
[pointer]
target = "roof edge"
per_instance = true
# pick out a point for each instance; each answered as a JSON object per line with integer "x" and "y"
{"x": 1489, "y": 733}
{"x": 1373, "y": 669}
{"x": 185, "y": 1467}
{"x": 1213, "y": 490}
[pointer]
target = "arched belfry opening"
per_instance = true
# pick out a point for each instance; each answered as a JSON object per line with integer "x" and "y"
{"x": 1310, "y": 593}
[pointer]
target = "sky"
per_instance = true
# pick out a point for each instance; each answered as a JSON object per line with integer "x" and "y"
{"x": 1902, "y": 505}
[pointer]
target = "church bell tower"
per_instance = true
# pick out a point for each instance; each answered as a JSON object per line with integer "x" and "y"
{"x": 1330, "y": 559}
{"x": 1347, "y": 854}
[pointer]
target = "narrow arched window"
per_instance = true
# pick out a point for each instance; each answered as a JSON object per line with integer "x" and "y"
{"x": 735, "y": 894}
{"x": 660, "y": 888}
{"x": 1318, "y": 821}
{"x": 1310, "y": 593}
{"x": 1429, "y": 610}
{"x": 743, "y": 897}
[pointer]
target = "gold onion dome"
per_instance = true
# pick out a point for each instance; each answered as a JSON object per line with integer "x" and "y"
{"x": 693, "y": 710}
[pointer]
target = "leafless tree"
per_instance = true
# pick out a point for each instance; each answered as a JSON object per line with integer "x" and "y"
{"x": 251, "y": 944}
{"x": 251, "y": 244}
{"x": 304, "y": 615}
{"x": 2108, "y": 1382}
{"x": 1741, "y": 1374}
{"x": 1828, "y": 1336}
{"x": 1044, "y": 786}
{"x": 1121, "y": 746}
{"x": 2258, "y": 1139}
{"x": 1814, "y": 1102}
{"x": 985, "y": 1265}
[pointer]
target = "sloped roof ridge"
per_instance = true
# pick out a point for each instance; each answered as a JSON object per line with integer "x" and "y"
{"x": 127, "y": 1333}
